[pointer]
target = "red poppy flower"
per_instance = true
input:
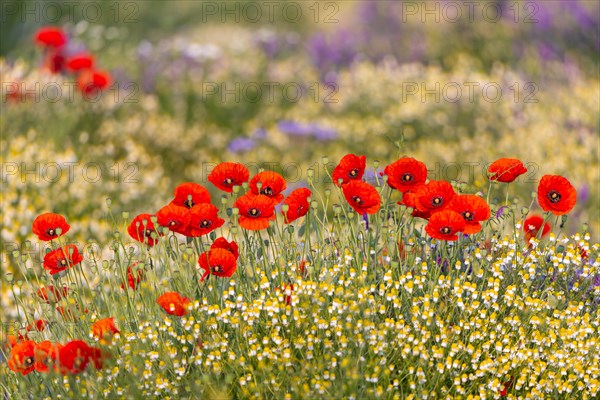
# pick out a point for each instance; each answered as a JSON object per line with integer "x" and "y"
{"x": 46, "y": 356}
{"x": 406, "y": 174}
{"x": 204, "y": 218}
{"x": 21, "y": 357}
{"x": 255, "y": 211}
{"x": 532, "y": 226}
{"x": 80, "y": 62}
{"x": 556, "y": 194}
{"x": 54, "y": 61}
{"x": 47, "y": 225}
{"x": 175, "y": 218}
{"x": 434, "y": 196}
{"x": 506, "y": 386}
{"x": 13, "y": 92}
{"x": 286, "y": 290}
{"x": 222, "y": 243}
{"x": 506, "y": 170}
{"x": 90, "y": 82}
{"x": 351, "y": 167}
{"x": 228, "y": 174}
{"x": 104, "y": 329}
{"x": 50, "y": 36}
{"x": 297, "y": 203}
{"x": 74, "y": 357}
{"x": 11, "y": 341}
{"x": 272, "y": 184}
{"x": 173, "y": 303}
{"x": 61, "y": 259}
{"x": 362, "y": 197}
{"x": 39, "y": 325}
{"x": 409, "y": 199}
{"x": 133, "y": 278}
{"x": 143, "y": 230}
{"x": 218, "y": 262}
{"x": 52, "y": 294}
{"x": 445, "y": 224}
{"x": 473, "y": 209}
{"x": 190, "y": 194}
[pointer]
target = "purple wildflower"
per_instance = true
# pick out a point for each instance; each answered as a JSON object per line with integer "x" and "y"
{"x": 241, "y": 144}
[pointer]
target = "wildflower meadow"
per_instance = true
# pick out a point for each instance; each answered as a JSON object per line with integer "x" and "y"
{"x": 300, "y": 200}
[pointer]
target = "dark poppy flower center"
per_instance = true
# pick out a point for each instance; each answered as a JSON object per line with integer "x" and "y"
{"x": 353, "y": 173}
{"x": 357, "y": 200}
{"x": 468, "y": 215}
{"x": 28, "y": 361}
{"x": 554, "y": 196}
{"x": 446, "y": 230}
{"x": 49, "y": 361}
{"x": 267, "y": 191}
{"x": 300, "y": 209}
{"x": 407, "y": 177}
{"x": 254, "y": 212}
{"x": 228, "y": 181}
{"x": 206, "y": 223}
{"x": 216, "y": 268}
{"x": 189, "y": 203}
{"x": 148, "y": 232}
{"x": 51, "y": 232}
{"x": 173, "y": 223}
{"x": 63, "y": 262}
{"x": 436, "y": 201}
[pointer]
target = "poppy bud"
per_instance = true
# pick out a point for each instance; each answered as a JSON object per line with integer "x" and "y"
{"x": 325, "y": 160}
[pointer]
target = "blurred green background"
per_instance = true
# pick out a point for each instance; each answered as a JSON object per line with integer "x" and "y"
{"x": 282, "y": 84}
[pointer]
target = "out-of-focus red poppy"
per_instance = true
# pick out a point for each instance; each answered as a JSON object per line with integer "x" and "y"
{"x": 47, "y": 226}
{"x": 91, "y": 82}
{"x": 272, "y": 184}
{"x": 434, "y": 196}
{"x": 80, "y": 62}
{"x": 133, "y": 278}
{"x": 74, "y": 357}
{"x": 143, "y": 230}
{"x": 556, "y": 194}
{"x": 105, "y": 329}
{"x": 218, "y": 262}
{"x": 445, "y": 224}
{"x": 297, "y": 203}
{"x": 473, "y": 209}
{"x": 256, "y": 211}
{"x": 226, "y": 175}
{"x": 21, "y": 357}
{"x": 46, "y": 356}
{"x": 189, "y": 194}
{"x": 506, "y": 170}
{"x": 62, "y": 259}
{"x": 38, "y": 325}
{"x": 286, "y": 290}
{"x": 362, "y": 197}
{"x": 173, "y": 303}
{"x": 54, "y": 61}
{"x": 204, "y": 218}
{"x": 351, "y": 167}
{"x": 406, "y": 174}
{"x": 175, "y": 218}
{"x": 532, "y": 226}
{"x": 50, "y": 36}
{"x": 222, "y": 243}
{"x": 52, "y": 294}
